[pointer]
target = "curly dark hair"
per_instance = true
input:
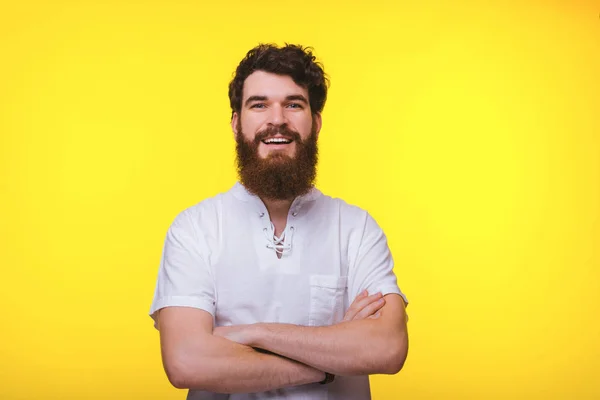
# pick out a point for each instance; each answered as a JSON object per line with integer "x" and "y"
{"x": 292, "y": 60}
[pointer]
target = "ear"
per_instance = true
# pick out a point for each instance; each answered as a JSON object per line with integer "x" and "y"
{"x": 318, "y": 121}
{"x": 234, "y": 124}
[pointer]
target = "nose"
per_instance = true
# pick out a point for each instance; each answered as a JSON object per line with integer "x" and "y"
{"x": 276, "y": 116}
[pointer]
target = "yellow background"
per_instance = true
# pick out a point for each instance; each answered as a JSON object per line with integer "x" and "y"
{"x": 470, "y": 130}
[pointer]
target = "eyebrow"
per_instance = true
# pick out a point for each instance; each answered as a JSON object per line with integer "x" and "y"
{"x": 297, "y": 97}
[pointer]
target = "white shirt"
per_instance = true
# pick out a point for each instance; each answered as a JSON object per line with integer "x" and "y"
{"x": 219, "y": 256}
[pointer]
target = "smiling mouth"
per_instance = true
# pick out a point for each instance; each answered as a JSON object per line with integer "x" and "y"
{"x": 277, "y": 140}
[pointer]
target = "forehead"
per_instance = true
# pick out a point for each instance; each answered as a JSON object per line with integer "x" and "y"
{"x": 261, "y": 83}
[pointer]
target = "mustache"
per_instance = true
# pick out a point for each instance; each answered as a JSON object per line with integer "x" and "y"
{"x": 281, "y": 130}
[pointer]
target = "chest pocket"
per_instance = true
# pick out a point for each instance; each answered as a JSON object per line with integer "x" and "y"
{"x": 327, "y": 299}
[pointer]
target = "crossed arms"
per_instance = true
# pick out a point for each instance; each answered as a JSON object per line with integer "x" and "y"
{"x": 371, "y": 339}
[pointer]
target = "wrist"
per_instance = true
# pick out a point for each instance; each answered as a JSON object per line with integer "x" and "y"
{"x": 255, "y": 334}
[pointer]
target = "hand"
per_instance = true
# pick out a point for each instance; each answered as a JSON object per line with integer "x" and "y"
{"x": 241, "y": 334}
{"x": 364, "y": 307}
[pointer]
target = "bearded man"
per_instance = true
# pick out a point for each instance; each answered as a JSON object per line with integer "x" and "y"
{"x": 274, "y": 290}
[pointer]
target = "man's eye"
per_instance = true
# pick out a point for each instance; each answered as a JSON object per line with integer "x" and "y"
{"x": 295, "y": 105}
{"x": 257, "y": 105}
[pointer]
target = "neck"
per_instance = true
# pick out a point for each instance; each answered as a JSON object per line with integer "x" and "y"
{"x": 278, "y": 209}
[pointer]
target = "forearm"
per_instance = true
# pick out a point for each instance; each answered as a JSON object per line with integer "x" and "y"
{"x": 234, "y": 368}
{"x": 350, "y": 348}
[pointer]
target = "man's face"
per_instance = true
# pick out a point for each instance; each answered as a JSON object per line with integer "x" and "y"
{"x": 276, "y": 136}
{"x": 269, "y": 102}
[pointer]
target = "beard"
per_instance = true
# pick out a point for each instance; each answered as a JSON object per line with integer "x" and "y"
{"x": 278, "y": 176}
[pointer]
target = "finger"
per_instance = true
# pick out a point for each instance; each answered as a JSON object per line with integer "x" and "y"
{"x": 375, "y": 316}
{"x": 353, "y": 309}
{"x": 350, "y": 313}
{"x": 359, "y": 304}
{"x": 362, "y": 303}
{"x": 370, "y": 309}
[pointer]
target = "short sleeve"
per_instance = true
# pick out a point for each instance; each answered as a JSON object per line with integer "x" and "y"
{"x": 373, "y": 268}
{"x": 184, "y": 277}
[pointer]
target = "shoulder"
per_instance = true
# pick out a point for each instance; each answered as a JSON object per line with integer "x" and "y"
{"x": 349, "y": 213}
{"x": 201, "y": 216}
{"x": 354, "y": 219}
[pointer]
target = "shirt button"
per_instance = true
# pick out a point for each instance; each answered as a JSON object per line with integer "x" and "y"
{"x": 262, "y": 214}
{"x": 294, "y": 214}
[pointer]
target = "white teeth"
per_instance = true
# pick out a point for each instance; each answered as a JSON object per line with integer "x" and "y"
{"x": 277, "y": 140}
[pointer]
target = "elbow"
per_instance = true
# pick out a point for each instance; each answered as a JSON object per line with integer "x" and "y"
{"x": 180, "y": 381}
{"x": 386, "y": 358}
{"x": 176, "y": 374}
{"x": 177, "y": 382}
{"x": 394, "y": 365}
{"x": 395, "y": 356}
{"x": 182, "y": 375}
